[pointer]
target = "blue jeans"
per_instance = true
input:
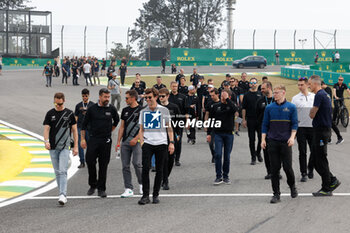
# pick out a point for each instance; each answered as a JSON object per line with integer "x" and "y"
{"x": 226, "y": 141}
{"x": 153, "y": 161}
{"x": 81, "y": 150}
{"x": 60, "y": 159}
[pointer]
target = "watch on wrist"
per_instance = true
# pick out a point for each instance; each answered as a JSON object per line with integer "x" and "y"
{"x": 173, "y": 142}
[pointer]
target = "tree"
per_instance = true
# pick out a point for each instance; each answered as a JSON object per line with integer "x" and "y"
{"x": 180, "y": 23}
{"x": 119, "y": 52}
{"x": 15, "y": 5}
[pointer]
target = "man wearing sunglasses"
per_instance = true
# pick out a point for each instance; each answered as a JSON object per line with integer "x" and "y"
{"x": 155, "y": 128}
{"x": 58, "y": 124}
{"x": 174, "y": 114}
{"x": 304, "y": 102}
{"x": 250, "y": 120}
{"x": 130, "y": 146}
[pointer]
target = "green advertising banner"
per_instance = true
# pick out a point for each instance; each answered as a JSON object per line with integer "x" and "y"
{"x": 329, "y": 78}
{"x": 181, "y": 56}
{"x": 25, "y": 63}
{"x": 332, "y": 67}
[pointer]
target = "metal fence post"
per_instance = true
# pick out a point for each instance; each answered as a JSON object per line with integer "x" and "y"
{"x": 62, "y": 41}
{"x": 254, "y": 39}
{"x": 106, "y": 42}
{"x": 85, "y": 41}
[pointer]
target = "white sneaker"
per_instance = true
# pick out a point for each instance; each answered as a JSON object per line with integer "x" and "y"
{"x": 141, "y": 191}
{"x": 62, "y": 200}
{"x": 127, "y": 193}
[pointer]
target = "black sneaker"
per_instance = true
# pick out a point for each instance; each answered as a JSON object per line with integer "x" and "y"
{"x": 177, "y": 163}
{"x": 340, "y": 141}
{"x": 227, "y": 181}
{"x": 322, "y": 193}
{"x": 310, "y": 175}
{"x": 155, "y": 200}
{"x": 334, "y": 185}
{"x": 144, "y": 201}
{"x": 303, "y": 178}
{"x": 260, "y": 159}
{"x": 275, "y": 199}
{"x": 165, "y": 186}
{"x": 237, "y": 133}
{"x": 253, "y": 162}
{"x": 101, "y": 193}
{"x": 90, "y": 191}
{"x": 213, "y": 160}
{"x": 82, "y": 165}
{"x": 268, "y": 177}
{"x": 293, "y": 192}
{"x": 218, "y": 181}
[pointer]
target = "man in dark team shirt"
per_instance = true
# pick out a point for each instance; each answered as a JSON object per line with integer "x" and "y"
{"x": 321, "y": 113}
{"x": 183, "y": 89}
{"x": 174, "y": 114}
{"x": 264, "y": 79}
{"x": 194, "y": 78}
{"x": 103, "y": 68}
{"x": 142, "y": 83}
{"x": 227, "y": 79}
{"x": 223, "y": 112}
{"x": 58, "y": 124}
{"x": 335, "y": 128}
{"x": 180, "y": 75}
{"x": 80, "y": 111}
{"x": 103, "y": 119}
{"x": 123, "y": 70}
{"x": 159, "y": 85}
{"x": 140, "y": 91}
{"x": 191, "y": 103}
{"x": 75, "y": 69}
{"x": 201, "y": 90}
{"x": 48, "y": 71}
{"x": 130, "y": 146}
{"x": 110, "y": 70}
{"x": 262, "y": 103}
{"x": 179, "y": 99}
{"x": 214, "y": 98}
{"x": 244, "y": 83}
{"x": 250, "y": 120}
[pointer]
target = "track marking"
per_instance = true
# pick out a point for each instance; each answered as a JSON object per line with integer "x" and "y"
{"x": 191, "y": 195}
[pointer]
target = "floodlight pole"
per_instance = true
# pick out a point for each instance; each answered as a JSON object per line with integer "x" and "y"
{"x": 230, "y": 10}
{"x": 62, "y": 41}
{"x": 85, "y": 41}
{"x": 254, "y": 39}
{"x": 274, "y": 40}
{"x": 335, "y": 39}
{"x": 106, "y": 42}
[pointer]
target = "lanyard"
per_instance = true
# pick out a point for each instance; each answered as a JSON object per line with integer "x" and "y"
{"x": 267, "y": 102}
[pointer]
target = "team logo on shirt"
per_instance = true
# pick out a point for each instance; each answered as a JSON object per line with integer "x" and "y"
{"x": 53, "y": 118}
{"x": 152, "y": 120}
{"x": 285, "y": 109}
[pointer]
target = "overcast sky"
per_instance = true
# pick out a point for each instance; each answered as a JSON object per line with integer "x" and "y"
{"x": 249, "y": 15}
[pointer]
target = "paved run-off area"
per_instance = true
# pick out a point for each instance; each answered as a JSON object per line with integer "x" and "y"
{"x": 195, "y": 206}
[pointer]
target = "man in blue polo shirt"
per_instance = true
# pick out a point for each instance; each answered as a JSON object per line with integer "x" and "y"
{"x": 321, "y": 113}
{"x": 280, "y": 126}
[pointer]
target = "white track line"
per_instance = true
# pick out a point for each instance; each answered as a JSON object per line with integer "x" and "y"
{"x": 41, "y": 169}
{"x": 191, "y": 195}
{"x": 71, "y": 171}
{"x": 40, "y": 160}
{"x": 39, "y": 152}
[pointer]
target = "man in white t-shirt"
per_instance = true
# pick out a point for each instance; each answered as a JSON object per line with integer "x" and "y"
{"x": 155, "y": 127}
{"x": 304, "y": 102}
{"x": 337, "y": 56}
{"x": 87, "y": 73}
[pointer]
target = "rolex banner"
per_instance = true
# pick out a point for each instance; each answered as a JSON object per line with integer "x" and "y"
{"x": 227, "y": 56}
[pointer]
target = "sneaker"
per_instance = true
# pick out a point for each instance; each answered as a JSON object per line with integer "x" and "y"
{"x": 330, "y": 141}
{"x": 153, "y": 169}
{"x": 140, "y": 189}
{"x": 237, "y": 133}
{"x": 62, "y": 200}
{"x": 177, "y": 163}
{"x": 227, "y": 181}
{"x": 275, "y": 199}
{"x": 293, "y": 192}
{"x": 335, "y": 185}
{"x": 101, "y": 194}
{"x": 90, "y": 191}
{"x": 268, "y": 177}
{"x": 218, "y": 181}
{"x": 340, "y": 141}
{"x": 82, "y": 165}
{"x": 165, "y": 186}
{"x": 310, "y": 175}
{"x": 303, "y": 178}
{"x": 322, "y": 193}
{"x": 253, "y": 162}
{"x": 212, "y": 160}
{"x": 260, "y": 159}
{"x": 155, "y": 200}
{"x": 144, "y": 201}
{"x": 127, "y": 193}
